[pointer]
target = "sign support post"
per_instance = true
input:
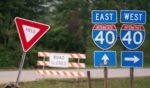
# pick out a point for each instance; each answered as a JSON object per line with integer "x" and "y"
{"x": 89, "y": 79}
{"x": 131, "y": 77}
{"x": 20, "y": 67}
{"x": 105, "y": 77}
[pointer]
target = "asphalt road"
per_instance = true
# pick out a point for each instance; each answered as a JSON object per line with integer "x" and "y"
{"x": 30, "y": 75}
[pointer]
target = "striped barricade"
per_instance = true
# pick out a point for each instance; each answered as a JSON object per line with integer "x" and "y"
{"x": 70, "y": 55}
{"x": 59, "y": 72}
{"x": 73, "y": 65}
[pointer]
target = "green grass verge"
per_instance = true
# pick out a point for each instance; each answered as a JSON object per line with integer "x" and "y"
{"x": 82, "y": 83}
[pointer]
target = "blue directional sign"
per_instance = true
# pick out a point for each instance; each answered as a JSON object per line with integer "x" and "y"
{"x": 132, "y": 36}
{"x": 104, "y": 16}
{"x": 104, "y": 36}
{"x": 132, "y": 59}
{"x": 133, "y": 16}
{"x": 104, "y": 58}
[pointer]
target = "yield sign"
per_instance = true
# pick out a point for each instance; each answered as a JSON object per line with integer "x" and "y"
{"x": 29, "y": 32}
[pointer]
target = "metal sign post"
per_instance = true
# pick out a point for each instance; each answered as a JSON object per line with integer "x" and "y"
{"x": 105, "y": 77}
{"x": 131, "y": 77}
{"x": 89, "y": 79}
{"x": 20, "y": 67}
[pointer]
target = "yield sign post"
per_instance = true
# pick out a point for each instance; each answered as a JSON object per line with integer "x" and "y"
{"x": 29, "y": 32}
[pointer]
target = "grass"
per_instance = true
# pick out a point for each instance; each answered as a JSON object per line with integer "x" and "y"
{"x": 82, "y": 83}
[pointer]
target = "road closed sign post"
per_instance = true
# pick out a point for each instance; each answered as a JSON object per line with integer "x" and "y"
{"x": 29, "y": 33}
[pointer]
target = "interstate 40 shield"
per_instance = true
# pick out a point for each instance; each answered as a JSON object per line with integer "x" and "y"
{"x": 132, "y": 36}
{"x": 104, "y": 36}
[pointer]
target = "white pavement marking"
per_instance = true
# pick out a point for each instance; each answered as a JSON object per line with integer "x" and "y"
{"x": 30, "y": 75}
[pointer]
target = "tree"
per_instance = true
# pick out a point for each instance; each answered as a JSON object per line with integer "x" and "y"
{"x": 30, "y": 9}
{"x": 72, "y": 17}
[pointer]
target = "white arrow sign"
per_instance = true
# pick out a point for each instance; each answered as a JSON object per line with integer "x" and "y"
{"x": 105, "y": 59}
{"x": 134, "y": 59}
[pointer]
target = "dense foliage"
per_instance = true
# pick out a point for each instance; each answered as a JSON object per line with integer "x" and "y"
{"x": 70, "y": 31}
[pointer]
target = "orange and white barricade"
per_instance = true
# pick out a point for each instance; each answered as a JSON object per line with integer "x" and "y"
{"x": 71, "y": 55}
{"x": 59, "y": 72}
{"x": 74, "y": 65}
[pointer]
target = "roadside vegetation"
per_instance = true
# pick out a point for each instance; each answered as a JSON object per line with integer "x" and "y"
{"x": 82, "y": 83}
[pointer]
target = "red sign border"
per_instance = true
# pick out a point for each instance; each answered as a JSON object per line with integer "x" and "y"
{"x": 36, "y": 39}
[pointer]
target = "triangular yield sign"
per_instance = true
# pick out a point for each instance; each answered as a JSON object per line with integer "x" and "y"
{"x": 29, "y": 32}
